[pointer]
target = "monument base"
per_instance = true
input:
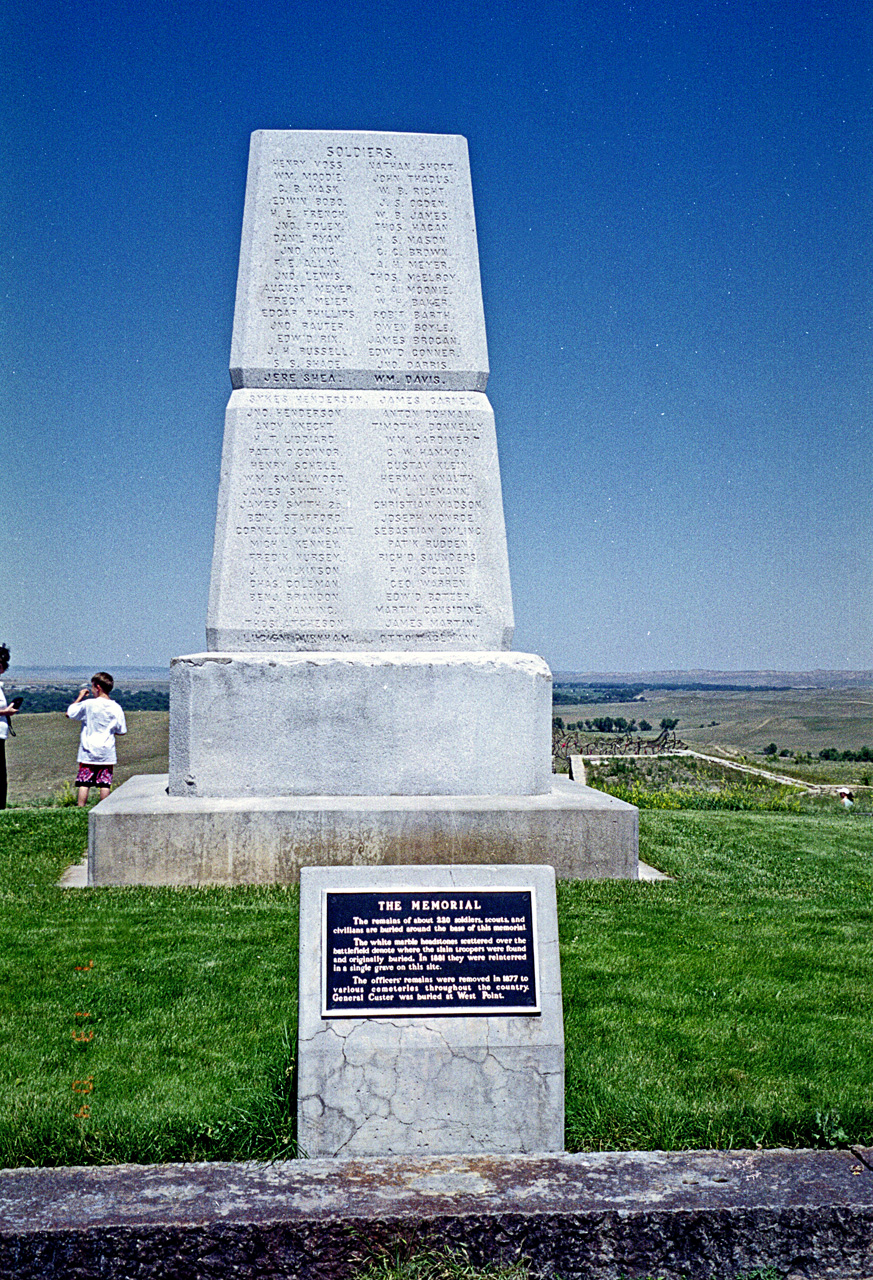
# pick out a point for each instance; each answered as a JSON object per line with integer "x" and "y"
{"x": 143, "y": 835}
{"x": 360, "y": 724}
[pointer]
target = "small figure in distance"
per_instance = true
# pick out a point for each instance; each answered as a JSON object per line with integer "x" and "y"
{"x": 7, "y": 710}
{"x": 847, "y": 797}
{"x": 102, "y": 720}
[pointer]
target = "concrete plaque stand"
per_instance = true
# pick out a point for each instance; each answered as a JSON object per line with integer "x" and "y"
{"x": 360, "y": 609}
{"x": 430, "y": 1085}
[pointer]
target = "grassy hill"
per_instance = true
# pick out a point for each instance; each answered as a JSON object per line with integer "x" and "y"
{"x": 748, "y": 720}
{"x": 41, "y": 758}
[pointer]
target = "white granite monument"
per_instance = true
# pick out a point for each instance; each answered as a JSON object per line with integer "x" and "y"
{"x": 357, "y": 701}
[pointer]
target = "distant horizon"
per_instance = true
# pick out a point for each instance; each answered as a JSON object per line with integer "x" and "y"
{"x": 751, "y": 676}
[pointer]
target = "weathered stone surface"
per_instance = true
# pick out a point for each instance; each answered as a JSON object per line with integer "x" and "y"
{"x": 143, "y": 835}
{"x": 380, "y": 1086}
{"x": 359, "y": 513}
{"x": 359, "y": 265}
{"x": 359, "y": 520}
{"x": 353, "y": 724}
{"x": 583, "y": 1217}
{"x": 577, "y": 769}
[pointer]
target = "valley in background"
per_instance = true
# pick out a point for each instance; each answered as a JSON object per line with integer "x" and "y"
{"x": 731, "y": 714}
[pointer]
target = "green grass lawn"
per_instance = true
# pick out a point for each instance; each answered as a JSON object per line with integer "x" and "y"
{"x": 732, "y": 1006}
{"x": 729, "y": 1007}
{"x": 191, "y": 1002}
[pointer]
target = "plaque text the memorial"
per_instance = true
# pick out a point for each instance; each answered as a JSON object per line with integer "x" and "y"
{"x": 463, "y": 951}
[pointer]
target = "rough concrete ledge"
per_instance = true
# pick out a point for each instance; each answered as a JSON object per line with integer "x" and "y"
{"x": 142, "y": 835}
{"x": 597, "y": 1217}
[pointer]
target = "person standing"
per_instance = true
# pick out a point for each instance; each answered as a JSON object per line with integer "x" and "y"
{"x": 102, "y": 721}
{"x": 6, "y": 712}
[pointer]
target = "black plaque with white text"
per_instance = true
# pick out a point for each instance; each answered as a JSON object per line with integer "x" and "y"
{"x": 445, "y": 952}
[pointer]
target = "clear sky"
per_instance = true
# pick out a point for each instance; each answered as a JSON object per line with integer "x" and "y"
{"x": 673, "y": 203}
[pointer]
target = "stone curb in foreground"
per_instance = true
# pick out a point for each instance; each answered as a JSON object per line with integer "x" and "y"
{"x": 604, "y": 1216}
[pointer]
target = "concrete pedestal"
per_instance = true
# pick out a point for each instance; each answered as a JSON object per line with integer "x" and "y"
{"x": 360, "y": 724}
{"x": 143, "y": 835}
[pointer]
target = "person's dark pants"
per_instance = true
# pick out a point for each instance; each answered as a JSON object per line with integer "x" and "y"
{"x": 2, "y": 773}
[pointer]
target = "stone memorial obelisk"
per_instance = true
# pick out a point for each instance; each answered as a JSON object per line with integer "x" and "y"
{"x": 358, "y": 701}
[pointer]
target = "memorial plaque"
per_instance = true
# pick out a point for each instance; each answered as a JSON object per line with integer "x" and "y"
{"x": 386, "y": 953}
{"x": 359, "y": 266}
{"x": 431, "y": 951}
{"x": 359, "y": 521}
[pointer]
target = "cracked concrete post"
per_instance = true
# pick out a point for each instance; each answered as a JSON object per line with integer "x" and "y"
{"x": 429, "y": 1085}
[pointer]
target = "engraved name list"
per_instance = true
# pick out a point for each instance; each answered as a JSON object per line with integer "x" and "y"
{"x": 362, "y": 268}
{"x": 359, "y": 519}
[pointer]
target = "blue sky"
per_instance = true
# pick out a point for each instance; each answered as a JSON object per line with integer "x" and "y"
{"x": 673, "y": 203}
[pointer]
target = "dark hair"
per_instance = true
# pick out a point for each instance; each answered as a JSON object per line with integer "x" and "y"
{"x": 4, "y": 656}
{"x": 104, "y": 681}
